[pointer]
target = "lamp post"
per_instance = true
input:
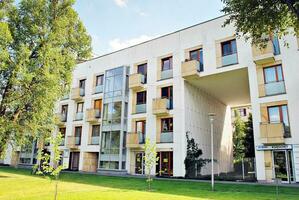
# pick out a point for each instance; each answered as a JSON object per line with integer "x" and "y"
{"x": 212, "y": 118}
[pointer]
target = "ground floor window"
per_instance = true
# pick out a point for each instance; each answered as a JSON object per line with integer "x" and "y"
{"x": 139, "y": 163}
{"x": 283, "y": 166}
{"x": 164, "y": 165}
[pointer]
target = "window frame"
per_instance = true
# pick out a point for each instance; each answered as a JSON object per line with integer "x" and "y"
{"x": 276, "y": 73}
{"x": 169, "y": 124}
{"x": 230, "y": 47}
{"x": 77, "y": 109}
{"x": 144, "y": 93}
{"x": 102, "y": 79}
{"x": 170, "y": 59}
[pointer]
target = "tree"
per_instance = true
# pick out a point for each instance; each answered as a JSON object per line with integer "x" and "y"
{"x": 249, "y": 138}
{"x": 256, "y": 18}
{"x": 40, "y": 42}
{"x": 238, "y": 138}
{"x": 193, "y": 163}
{"x": 150, "y": 160}
{"x": 47, "y": 165}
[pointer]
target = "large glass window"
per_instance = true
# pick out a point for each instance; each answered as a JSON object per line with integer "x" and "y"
{"x": 110, "y": 149}
{"x": 228, "y": 47}
{"x": 167, "y": 125}
{"x": 78, "y": 133}
{"x": 112, "y": 112}
{"x": 141, "y": 97}
{"x": 279, "y": 114}
{"x": 274, "y": 81}
{"x": 197, "y": 55}
{"x": 142, "y": 69}
{"x": 64, "y": 110}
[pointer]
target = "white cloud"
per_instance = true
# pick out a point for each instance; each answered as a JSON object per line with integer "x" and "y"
{"x": 121, "y": 3}
{"x": 141, "y": 13}
{"x": 117, "y": 44}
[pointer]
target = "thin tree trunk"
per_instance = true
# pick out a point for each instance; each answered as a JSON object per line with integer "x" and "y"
{"x": 56, "y": 189}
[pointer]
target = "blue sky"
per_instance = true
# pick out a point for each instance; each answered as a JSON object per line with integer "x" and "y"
{"x": 116, "y": 24}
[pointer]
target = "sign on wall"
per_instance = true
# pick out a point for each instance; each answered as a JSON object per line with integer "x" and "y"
{"x": 275, "y": 147}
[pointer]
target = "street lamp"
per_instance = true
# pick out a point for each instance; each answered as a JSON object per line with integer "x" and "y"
{"x": 212, "y": 118}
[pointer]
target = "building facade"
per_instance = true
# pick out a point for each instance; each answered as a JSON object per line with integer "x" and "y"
{"x": 164, "y": 88}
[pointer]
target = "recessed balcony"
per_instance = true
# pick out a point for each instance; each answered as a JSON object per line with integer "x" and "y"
{"x": 190, "y": 69}
{"x": 136, "y": 81}
{"x": 135, "y": 140}
{"x": 93, "y": 115}
{"x": 73, "y": 142}
{"x": 77, "y": 94}
{"x": 161, "y": 106}
{"x": 272, "y": 88}
{"x": 263, "y": 55}
{"x": 272, "y": 133}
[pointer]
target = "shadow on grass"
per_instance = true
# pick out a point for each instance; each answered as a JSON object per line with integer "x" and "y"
{"x": 171, "y": 187}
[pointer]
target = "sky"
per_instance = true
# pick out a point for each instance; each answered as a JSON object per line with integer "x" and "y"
{"x": 116, "y": 24}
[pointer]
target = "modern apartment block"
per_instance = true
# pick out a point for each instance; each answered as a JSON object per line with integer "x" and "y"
{"x": 163, "y": 88}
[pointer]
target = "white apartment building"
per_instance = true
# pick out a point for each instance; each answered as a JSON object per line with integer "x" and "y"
{"x": 165, "y": 87}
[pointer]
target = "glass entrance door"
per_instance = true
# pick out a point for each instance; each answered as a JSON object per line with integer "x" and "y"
{"x": 283, "y": 167}
{"x": 139, "y": 163}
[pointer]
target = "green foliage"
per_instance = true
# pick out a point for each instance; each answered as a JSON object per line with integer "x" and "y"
{"x": 150, "y": 160}
{"x": 193, "y": 163}
{"x": 255, "y": 18}
{"x": 40, "y": 42}
{"x": 238, "y": 137}
{"x": 249, "y": 138}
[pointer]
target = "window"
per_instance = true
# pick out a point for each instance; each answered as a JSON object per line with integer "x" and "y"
{"x": 141, "y": 97}
{"x": 197, "y": 55}
{"x": 64, "y": 110}
{"x": 82, "y": 83}
{"x": 166, "y": 63}
{"x": 62, "y": 131}
{"x": 112, "y": 113}
{"x": 140, "y": 130}
{"x": 98, "y": 107}
{"x": 99, "y": 80}
{"x": 228, "y": 47}
{"x": 95, "y": 134}
{"x": 167, "y": 125}
{"x": 142, "y": 69}
{"x": 279, "y": 114}
{"x": 276, "y": 48}
{"x": 80, "y": 107}
{"x": 274, "y": 81}
{"x": 78, "y": 132}
{"x": 166, "y": 92}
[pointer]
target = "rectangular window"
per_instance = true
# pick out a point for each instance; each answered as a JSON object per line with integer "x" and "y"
{"x": 167, "y": 63}
{"x": 62, "y": 131}
{"x": 78, "y": 132}
{"x": 166, "y": 92}
{"x": 273, "y": 74}
{"x": 98, "y": 107}
{"x": 82, "y": 83}
{"x": 80, "y": 107}
{"x": 279, "y": 114}
{"x": 141, "y": 97}
{"x": 276, "y": 48}
{"x": 96, "y": 130}
{"x": 229, "y": 47}
{"x": 142, "y": 69}
{"x": 64, "y": 110}
{"x": 167, "y": 125}
{"x": 99, "y": 80}
{"x": 197, "y": 55}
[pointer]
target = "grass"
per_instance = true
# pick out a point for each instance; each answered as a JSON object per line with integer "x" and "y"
{"x": 19, "y": 184}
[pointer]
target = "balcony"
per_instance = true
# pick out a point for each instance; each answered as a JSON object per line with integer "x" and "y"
{"x": 166, "y": 74}
{"x": 79, "y": 116}
{"x": 165, "y": 137}
{"x": 62, "y": 118}
{"x": 161, "y": 106}
{"x": 135, "y": 140}
{"x": 229, "y": 59}
{"x": 95, "y": 140}
{"x": 98, "y": 89}
{"x": 263, "y": 55}
{"x": 140, "y": 108}
{"x": 190, "y": 69}
{"x": 136, "y": 81}
{"x": 93, "y": 115}
{"x": 273, "y": 88}
{"x": 272, "y": 133}
{"x": 65, "y": 97}
{"x": 73, "y": 142}
{"x": 77, "y": 94}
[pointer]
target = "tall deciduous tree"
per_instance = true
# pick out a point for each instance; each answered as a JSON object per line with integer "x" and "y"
{"x": 256, "y": 18}
{"x": 249, "y": 138}
{"x": 40, "y": 42}
{"x": 238, "y": 137}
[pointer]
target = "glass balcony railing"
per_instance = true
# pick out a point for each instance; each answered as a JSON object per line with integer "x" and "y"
{"x": 95, "y": 140}
{"x": 82, "y": 91}
{"x": 166, "y": 74}
{"x": 79, "y": 116}
{"x": 141, "y": 108}
{"x": 274, "y": 88}
{"x": 77, "y": 140}
{"x": 229, "y": 59}
{"x": 98, "y": 89}
{"x": 166, "y": 137}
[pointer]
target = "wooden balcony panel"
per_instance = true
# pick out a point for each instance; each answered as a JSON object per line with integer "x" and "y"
{"x": 190, "y": 69}
{"x": 136, "y": 81}
{"x": 160, "y": 106}
{"x": 272, "y": 133}
{"x": 263, "y": 55}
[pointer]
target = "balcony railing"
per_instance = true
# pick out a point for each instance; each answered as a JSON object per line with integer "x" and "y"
{"x": 136, "y": 81}
{"x": 77, "y": 93}
{"x": 230, "y": 59}
{"x": 66, "y": 96}
{"x": 73, "y": 141}
{"x": 62, "y": 117}
{"x": 95, "y": 140}
{"x": 166, "y": 137}
{"x": 266, "y": 54}
{"x": 191, "y": 68}
{"x": 273, "y": 88}
{"x": 161, "y": 106}
{"x": 272, "y": 133}
{"x": 98, "y": 89}
{"x": 93, "y": 115}
{"x": 140, "y": 108}
{"x": 79, "y": 116}
{"x": 134, "y": 140}
{"x": 165, "y": 74}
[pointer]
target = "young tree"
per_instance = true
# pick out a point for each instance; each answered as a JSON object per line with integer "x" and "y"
{"x": 150, "y": 160}
{"x": 255, "y": 18}
{"x": 249, "y": 138}
{"x": 40, "y": 42}
{"x": 47, "y": 165}
{"x": 238, "y": 138}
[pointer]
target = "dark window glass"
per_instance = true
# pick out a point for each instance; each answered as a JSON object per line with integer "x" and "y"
{"x": 167, "y": 125}
{"x": 166, "y": 63}
{"x": 197, "y": 55}
{"x": 142, "y": 69}
{"x": 96, "y": 130}
{"x": 82, "y": 83}
{"x": 228, "y": 47}
{"x": 141, "y": 97}
{"x": 100, "y": 80}
{"x": 80, "y": 107}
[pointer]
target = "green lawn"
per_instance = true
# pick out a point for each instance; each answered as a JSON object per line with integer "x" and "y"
{"x": 19, "y": 184}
